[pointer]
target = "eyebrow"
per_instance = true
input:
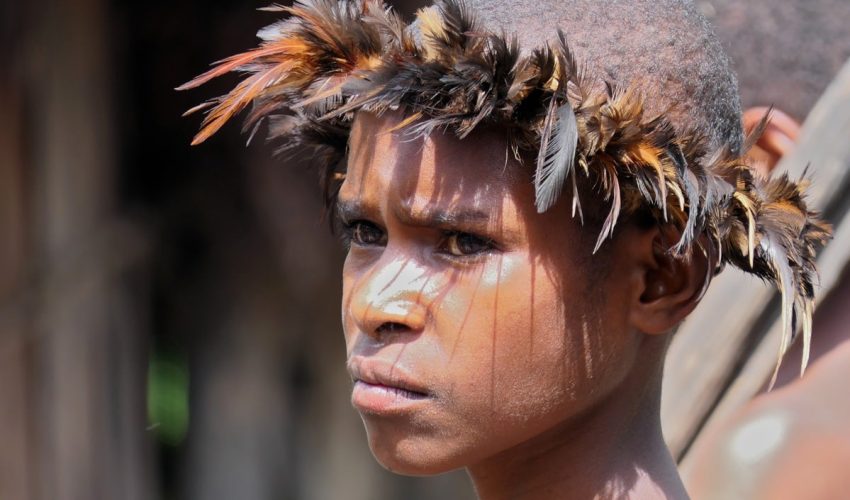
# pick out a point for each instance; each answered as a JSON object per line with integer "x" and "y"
{"x": 351, "y": 210}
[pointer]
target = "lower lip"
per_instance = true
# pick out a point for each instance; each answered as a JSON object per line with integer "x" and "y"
{"x": 373, "y": 398}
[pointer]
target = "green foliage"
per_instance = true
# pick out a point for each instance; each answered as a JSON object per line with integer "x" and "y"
{"x": 168, "y": 399}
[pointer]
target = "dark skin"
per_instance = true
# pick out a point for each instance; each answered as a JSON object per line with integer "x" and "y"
{"x": 479, "y": 337}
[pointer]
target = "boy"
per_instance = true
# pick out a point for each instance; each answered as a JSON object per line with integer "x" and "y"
{"x": 529, "y": 219}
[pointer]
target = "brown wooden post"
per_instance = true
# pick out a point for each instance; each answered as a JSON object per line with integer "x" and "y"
{"x": 72, "y": 350}
{"x": 15, "y": 388}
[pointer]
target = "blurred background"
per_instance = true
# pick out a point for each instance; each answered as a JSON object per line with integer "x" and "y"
{"x": 169, "y": 318}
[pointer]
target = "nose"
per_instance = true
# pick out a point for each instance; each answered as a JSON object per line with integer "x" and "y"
{"x": 392, "y": 297}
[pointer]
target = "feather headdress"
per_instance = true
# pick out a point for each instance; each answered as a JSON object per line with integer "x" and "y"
{"x": 329, "y": 59}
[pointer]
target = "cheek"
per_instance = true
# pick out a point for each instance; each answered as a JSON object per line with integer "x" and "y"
{"x": 347, "y": 325}
{"x": 523, "y": 344}
{"x": 353, "y": 272}
{"x": 508, "y": 336}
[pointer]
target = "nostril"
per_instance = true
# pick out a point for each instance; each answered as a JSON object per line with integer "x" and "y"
{"x": 392, "y": 327}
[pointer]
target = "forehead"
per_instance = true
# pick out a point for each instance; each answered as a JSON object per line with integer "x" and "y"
{"x": 388, "y": 163}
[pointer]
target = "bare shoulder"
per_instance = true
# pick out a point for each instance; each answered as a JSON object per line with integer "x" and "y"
{"x": 791, "y": 443}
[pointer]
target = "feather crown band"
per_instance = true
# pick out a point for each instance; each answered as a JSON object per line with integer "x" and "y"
{"x": 329, "y": 59}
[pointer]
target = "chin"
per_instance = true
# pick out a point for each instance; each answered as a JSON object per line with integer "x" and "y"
{"x": 412, "y": 455}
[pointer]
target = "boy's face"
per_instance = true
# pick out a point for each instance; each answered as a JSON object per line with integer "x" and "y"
{"x": 472, "y": 323}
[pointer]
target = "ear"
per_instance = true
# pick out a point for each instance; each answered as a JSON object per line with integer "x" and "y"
{"x": 778, "y": 138}
{"x": 670, "y": 286}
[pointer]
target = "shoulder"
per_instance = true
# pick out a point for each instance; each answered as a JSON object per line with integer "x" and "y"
{"x": 791, "y": 443}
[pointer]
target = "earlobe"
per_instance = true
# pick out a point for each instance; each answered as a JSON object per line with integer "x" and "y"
{"x": 778, "y": 138}
{"x": 672, "y": 287}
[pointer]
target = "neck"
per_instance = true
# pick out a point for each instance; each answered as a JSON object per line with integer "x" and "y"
{"x": 613, "y": 450}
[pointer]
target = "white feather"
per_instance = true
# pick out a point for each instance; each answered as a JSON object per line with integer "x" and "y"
{"x": 557, "y": 155}
{"x": 779, "y": 259}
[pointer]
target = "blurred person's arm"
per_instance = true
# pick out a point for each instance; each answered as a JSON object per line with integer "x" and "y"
{"x": 793, "y": 443}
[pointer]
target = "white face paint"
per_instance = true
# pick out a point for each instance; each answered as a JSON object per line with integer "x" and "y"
{"x": 758, "y": 439}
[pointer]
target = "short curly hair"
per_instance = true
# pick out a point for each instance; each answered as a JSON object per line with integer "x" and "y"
{"x": 666, "y": 48}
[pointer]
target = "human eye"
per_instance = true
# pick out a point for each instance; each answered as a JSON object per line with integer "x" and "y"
{"x": 364, "y": 233}
{"x": 464, "y": 245}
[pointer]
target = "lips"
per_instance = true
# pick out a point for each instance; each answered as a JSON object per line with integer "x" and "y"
{"x": 384, "y": 388}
